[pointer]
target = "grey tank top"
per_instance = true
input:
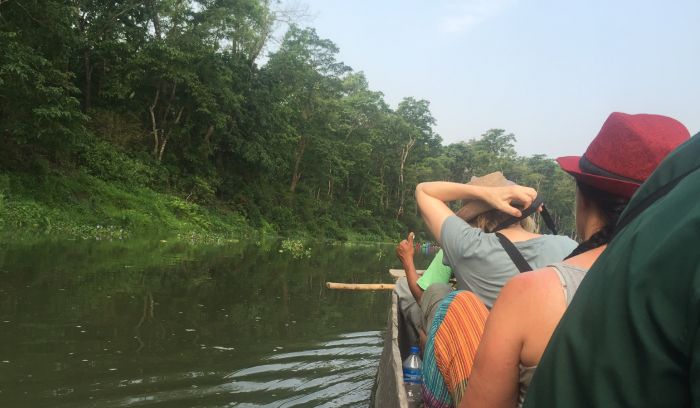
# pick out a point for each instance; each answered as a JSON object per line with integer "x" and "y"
{"x": 570, "y": 277}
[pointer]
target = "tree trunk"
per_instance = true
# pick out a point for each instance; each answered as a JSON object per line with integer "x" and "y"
{"x": 207, "y": 138}
{"x": 382, "y": 189}
{"x": 155, "y": 18}
{"x": 266, "y": 31}
{"x": 162, "y": 149}
{"x": 166, "y": 136}
{"x": 402, "y": 191}
{"x": 88, "y": 79}
{"x": 329, "y": 193}
{"x": 154, "y": 125}
{"x": 296, "y": 174}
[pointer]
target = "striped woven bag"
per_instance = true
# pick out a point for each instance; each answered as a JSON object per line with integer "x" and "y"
{"x": 452, "y": 343}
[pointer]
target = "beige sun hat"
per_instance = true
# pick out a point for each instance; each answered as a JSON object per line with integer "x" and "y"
{"x": 473, "y": 208}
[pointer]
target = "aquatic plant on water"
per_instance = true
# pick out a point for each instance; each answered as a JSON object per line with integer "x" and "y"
{"x": 296, "y": 248}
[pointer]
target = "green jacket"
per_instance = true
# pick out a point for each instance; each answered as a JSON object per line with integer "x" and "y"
{"x": 631, "y": 336}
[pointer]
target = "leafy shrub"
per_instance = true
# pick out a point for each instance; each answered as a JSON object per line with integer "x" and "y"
{"x": 296, "y": 248}
{"x": 106, "y": 161}
{"x": 121, "y": 129}
{"x": 201, "y": 191}
{"x": 284, "y": 217}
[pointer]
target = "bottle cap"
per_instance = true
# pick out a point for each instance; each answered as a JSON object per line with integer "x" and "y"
{"x": 415, "y": 349}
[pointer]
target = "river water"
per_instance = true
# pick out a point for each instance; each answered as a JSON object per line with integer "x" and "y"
{"x": 169, "y": 324}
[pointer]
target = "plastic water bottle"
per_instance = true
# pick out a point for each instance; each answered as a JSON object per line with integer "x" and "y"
{"x": 413, "y": 377}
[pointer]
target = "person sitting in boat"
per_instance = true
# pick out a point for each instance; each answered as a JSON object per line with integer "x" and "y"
{"x": 478, "y": 260}
{"x": 480, "y": 264}
{"x": 624, "y": 153}
{"x": 633, "y": 325}
{"x": 409, "y": 289}
{"x": 477, "y": 257}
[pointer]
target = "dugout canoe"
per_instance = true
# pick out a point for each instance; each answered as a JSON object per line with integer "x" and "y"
{"x": 388, "y": 390}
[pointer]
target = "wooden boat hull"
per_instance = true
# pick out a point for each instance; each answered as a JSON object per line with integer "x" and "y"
{"x": 388, "y": 390}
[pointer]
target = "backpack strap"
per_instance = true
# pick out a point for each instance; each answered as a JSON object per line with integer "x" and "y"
{"x": 515, "y": 255}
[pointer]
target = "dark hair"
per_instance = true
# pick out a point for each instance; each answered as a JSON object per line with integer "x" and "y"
{"x": 610, "y": 206}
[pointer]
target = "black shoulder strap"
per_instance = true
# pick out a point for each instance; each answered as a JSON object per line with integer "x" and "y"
{"x": 536, "y": 203}
{"x": 548, "y": 221}
{"x": 515, "y": 255}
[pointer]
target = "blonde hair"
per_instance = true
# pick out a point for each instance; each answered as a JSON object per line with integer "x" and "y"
{"x": 489, "y": 220}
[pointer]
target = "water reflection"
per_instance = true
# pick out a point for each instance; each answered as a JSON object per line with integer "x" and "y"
{"x": 147, "y": 323}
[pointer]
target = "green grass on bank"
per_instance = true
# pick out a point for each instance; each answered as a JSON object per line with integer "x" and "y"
{"x": 80, "y": 205}
{"x": 104, "y": 192}
{"x": 83, "y": 206}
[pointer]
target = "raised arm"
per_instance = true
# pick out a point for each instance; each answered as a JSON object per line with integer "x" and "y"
{"x": 405, "y": 252}
{"x": 431, "y": 198}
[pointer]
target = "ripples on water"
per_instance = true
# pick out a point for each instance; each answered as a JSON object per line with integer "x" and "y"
{"x": 227, "y": 327}
{"x": 337, "y": 373}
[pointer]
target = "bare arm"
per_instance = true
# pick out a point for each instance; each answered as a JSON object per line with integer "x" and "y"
{"x": 517, "y": 331}
{"x": 405, "y": 251}
{"x": 494, "y": 378}
{"x": 431, "y": 198}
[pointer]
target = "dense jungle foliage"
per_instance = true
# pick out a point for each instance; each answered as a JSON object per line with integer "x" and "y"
{"x": 215, "y": 116}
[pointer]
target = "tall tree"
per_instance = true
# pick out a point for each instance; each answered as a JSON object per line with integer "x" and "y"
{"x": 310, "y": 79}
{"x": 414, "y": 131}
{"x": 39, "y": 109}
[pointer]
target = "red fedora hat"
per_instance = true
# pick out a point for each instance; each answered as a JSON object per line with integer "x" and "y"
{"x": 625, "y": 152}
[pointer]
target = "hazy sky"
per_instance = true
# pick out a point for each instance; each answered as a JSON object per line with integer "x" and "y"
{"x": 548, "y": 71}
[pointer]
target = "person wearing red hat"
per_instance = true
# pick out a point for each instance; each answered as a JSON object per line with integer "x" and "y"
{"x": 624, "y": 153}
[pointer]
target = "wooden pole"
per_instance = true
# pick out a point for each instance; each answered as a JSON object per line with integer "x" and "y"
{"x": 360, "y": 286}
{"x": 400, "y": 273}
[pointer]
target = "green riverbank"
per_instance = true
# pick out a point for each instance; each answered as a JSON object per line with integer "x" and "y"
{"x": 83, "y": 206}
{"x": 80, "y": 205}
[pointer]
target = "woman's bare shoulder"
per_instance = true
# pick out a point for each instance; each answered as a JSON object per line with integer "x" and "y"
{"x": 532, "y": 290}
{"x": 539, "y": 279}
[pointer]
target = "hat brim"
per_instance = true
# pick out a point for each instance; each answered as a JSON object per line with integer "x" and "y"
{"x": 622, "y": 188}
{"x": 473, "y": 208}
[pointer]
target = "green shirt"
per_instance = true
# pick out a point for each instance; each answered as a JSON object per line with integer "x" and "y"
{"x": 631, "y": 336}
{"x": 437, "y": 272}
